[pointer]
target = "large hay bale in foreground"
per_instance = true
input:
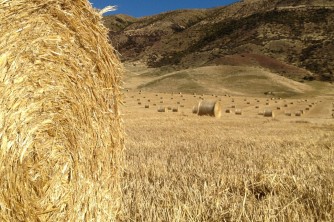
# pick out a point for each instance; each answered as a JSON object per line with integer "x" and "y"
{"x": 60, "y": 129}
{"x": 209, "y": 108}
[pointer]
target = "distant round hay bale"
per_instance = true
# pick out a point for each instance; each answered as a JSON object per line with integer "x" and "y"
{"x": 162, "y": 109}
{"x": 154, "y": 104}
{"x": 169, "y": 108}
{"x": 287, "y": 113}
{"x": 278, "y": 108}
{"x": 147, "y": 106}
{"x": 267, "y": 104}
{"x": 256, "y": 107}
{"x": 298, "y": 113}
{"x": 248, "y": 103}
{"x": 233, "y": 106}
{"x": 182, "y": 105}
{"x": 139, "y": 103}
{"x": 307, "y": 108}
{"x": 161, "y": 101}
{"x": 61, "y": 139}
{"x": 268, "y": 113}
{"x": 238, "y": 112}
{"x": 195, "y": 109}
{"x": 178, "y": 102}
{"x": 228, "y": 111}
{"x": 209, "y": 108}
{"x": 285, "y": 105}
{"x": 175, "y": 109}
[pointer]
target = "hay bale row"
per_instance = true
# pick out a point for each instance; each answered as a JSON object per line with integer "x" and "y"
{"x": 62, "y": 138}
{"x": 209, "y": 108}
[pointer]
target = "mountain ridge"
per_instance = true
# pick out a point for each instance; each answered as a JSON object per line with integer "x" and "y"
{"x": 291, "y": 38}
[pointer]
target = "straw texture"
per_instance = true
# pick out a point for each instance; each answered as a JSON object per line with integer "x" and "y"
{"x": 61, "y": 137}
{"x": 209, "y": 108}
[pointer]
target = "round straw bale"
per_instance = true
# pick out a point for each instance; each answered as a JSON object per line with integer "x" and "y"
{"x": 307, "y": 108}
{"x": 209, "y": 108}
{"x": 162, "y": 109}
{"x": 268, "y": 113}
{"x": 147, "y": 106}
{"x": 139, "y": 103}
{"x": 228, "y": 111}
{"x": 175, "y": 109}
{"x": 238, "y": 112}
{"x": 287, "y": 113}
{"x": 298, "y": 113}
{"x": 195, "y": 109}
{"x": 182, "y": 105}
{"x": 169, "y": 108}
{"x": 233, "y": 106}
{"x": 61, "y": 138}
{"x": 256, "y": 107}
{"x": 278, "y": 108}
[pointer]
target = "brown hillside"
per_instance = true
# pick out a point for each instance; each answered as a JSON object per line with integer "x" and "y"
{"x": 295, "y": 36}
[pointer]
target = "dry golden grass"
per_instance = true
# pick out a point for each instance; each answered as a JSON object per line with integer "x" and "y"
{"x": 183, "y": 167}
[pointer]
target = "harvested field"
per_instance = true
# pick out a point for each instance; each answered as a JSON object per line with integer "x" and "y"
{"x": 185, "y": 167}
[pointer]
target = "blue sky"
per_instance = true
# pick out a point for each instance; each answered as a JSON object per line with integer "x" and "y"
{"x": 138, "y": 8}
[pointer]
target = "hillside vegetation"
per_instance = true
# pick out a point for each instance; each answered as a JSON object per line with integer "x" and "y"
{"x": 294, "y": 39}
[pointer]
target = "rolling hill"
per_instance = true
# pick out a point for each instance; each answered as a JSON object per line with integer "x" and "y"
{"x": 290, "y": 38}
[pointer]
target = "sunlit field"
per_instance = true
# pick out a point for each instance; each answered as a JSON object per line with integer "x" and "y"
{"x": 184, "y": 167}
